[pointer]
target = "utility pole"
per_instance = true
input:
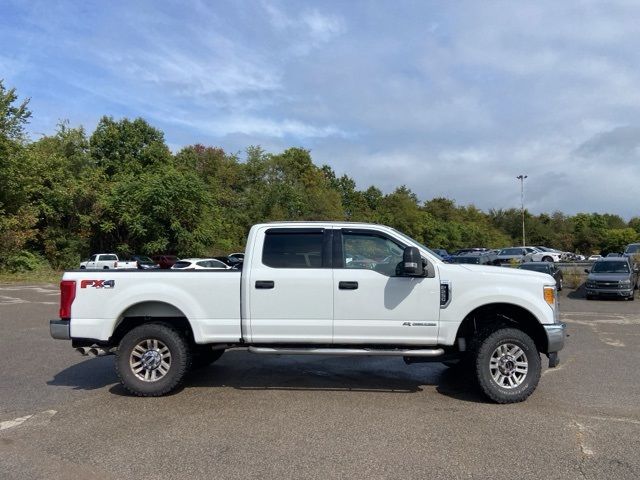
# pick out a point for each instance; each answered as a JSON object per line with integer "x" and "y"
{"x": 521, "y": 178}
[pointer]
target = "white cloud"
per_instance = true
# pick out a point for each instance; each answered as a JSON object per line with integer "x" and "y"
{"x": 263, "y": 127}
{"x": 450, "y": 99}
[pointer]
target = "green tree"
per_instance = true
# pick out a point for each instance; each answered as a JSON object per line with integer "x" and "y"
{"x": 17, "y": 217}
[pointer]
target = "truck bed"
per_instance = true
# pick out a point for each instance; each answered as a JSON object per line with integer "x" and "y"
{"x": 210, "y": 299}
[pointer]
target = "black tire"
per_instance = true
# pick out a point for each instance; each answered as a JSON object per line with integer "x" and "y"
{"x": 588, "y": 297}
{"x": 180, "y": 359}
{"x": 560, "y": 285}
{"x": 547, "y": 259}
{"x": 83, "y": 267}
{"x": 105, "y": 268}
{"x": 204, "y": 356}
{"x": 484, "y": 373}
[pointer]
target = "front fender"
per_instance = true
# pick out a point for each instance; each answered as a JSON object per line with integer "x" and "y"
{"x": 466, "y": 300}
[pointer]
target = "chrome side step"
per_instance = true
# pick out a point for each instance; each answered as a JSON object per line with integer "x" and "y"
{"x": 372, "y": 352}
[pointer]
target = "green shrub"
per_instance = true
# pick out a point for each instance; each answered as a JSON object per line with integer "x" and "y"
{"x": 24, "y": 261}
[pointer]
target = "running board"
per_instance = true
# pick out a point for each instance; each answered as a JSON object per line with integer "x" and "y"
{"x": 423, "y": 352}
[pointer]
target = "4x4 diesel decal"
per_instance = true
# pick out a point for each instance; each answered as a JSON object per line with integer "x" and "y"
{"x": 98, "y": 283}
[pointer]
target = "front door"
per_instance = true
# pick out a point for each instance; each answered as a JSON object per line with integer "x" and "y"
{"x": 372, "y": 303}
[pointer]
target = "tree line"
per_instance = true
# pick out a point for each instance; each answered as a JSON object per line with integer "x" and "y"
{"x": 121, "y": 189}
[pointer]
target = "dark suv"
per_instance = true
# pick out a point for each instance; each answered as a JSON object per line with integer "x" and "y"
{"x": 612, "y": 277}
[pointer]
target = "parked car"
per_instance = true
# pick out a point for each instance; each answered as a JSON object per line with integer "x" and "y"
{"x": 611, "y": 277}
{"x": 444, "y": 255}
{"x": 144, "y": 262}
{"x": 463, "y": 251}
{"x": 165, "y": 261}
{"x": 100, "y": 261}
{"x": 237, "y": 256}
{"x": 564, "y": 256}
{"x": 544, "y": 254}
{"x": 232, "y": 262}
{"x": 632, "y": 250}
{"x": 474, "y": 258}
{"x": 613, "y": 254}
{"x": 298, "y": 296}
{"x": 200, "y": 264}
{"x": 545, "y": 267}
{"x": 593, "y": 258}
{"x": 517, "y": 254}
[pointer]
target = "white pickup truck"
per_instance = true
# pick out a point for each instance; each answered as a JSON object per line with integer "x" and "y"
{"x": 319, "y": 288}
{"x": 106, "y": 261}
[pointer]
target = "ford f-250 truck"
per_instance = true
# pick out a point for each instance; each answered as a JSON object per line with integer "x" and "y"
{"x": 319, "y": 288}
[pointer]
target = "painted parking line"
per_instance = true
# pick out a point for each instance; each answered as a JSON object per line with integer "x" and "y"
{"x": 41, "y": 418}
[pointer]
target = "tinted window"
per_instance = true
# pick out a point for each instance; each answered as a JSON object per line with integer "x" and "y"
{"x": 371, "y": 252}
{"x": 292, "y": 250}
{"x": 93, "y": 258}
{"x": 108, "y": 258}
{"x": 536, "y": 268}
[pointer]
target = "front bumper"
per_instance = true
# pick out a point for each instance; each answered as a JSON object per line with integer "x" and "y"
{"x": 60, "y": 329}
{"x": 556, "y": 334}
{"x": 609, "y": 292}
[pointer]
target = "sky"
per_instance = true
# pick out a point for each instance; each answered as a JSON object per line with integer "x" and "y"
{"x": 452, "y": 99}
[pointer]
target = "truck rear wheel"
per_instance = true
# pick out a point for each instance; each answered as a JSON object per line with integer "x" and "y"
{"x": 152, "y": 359}
{"x": 507, "y": 366}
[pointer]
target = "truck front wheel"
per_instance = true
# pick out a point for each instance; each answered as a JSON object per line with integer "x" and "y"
{"x": 507, "y": 366}
{"x": 152, "y": 359}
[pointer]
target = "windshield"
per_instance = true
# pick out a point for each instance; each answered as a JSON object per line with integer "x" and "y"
{"x": 635, "y": 248}
{"x": 411, "y": 240}
{"x": 143, "y": 259}
{"x": 610, "y": 267}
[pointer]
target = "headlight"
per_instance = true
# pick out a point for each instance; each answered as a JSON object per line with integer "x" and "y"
{"x": 591, "y": 284}
{"x": 626, "y": 283}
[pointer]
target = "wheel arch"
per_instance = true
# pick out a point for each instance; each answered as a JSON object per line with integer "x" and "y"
{"x": 507, "y": 314}
{"x": 151, "y": 312}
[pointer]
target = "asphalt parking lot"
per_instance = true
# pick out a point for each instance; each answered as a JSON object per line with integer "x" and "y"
{"x": 247, "y": 416}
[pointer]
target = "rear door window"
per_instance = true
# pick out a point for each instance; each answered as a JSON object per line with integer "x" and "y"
{"x": 293, "y": 250}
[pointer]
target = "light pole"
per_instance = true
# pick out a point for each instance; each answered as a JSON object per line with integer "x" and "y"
{"x": 521, "y": 178}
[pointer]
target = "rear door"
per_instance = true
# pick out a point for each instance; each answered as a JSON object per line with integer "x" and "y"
{"x": 290, "y": 290}
{"x": 372, "y": 303}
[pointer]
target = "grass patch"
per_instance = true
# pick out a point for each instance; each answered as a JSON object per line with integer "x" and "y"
{"x": 44, "y": 275}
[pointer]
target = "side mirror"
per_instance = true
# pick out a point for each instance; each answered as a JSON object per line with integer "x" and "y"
{"x": 586, "y": 270}
{"x": 412, "y": 262}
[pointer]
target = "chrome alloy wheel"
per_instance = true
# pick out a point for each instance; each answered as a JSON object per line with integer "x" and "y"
{"x": 508, "y": 365}
{"x": 150, "y": 360}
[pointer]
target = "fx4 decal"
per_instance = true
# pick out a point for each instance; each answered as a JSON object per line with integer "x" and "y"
{"x": 98, "y": 283}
